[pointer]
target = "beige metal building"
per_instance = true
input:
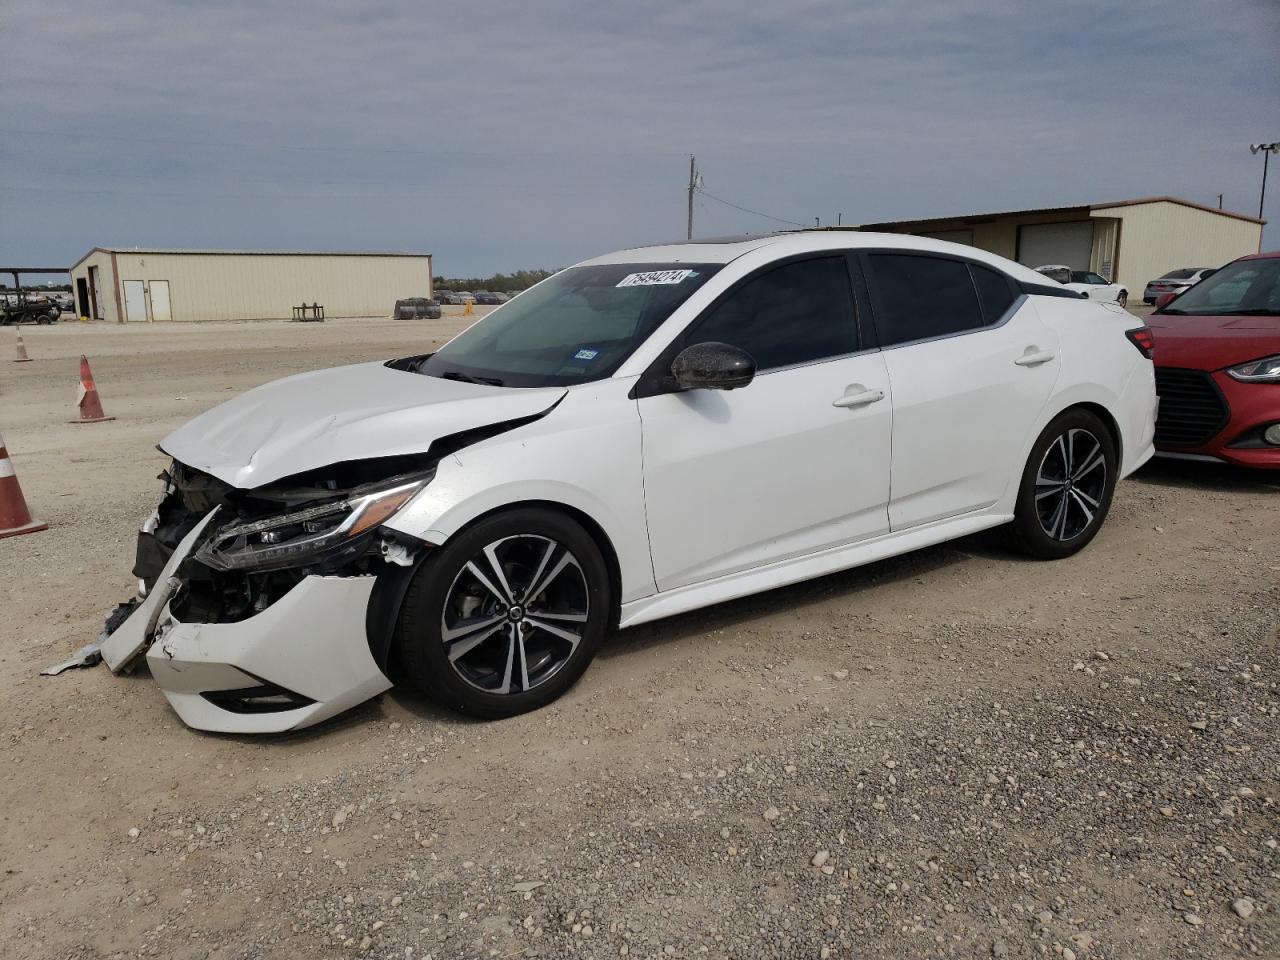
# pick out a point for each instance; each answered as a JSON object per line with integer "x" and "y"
{"x": 158, "y": 285}
{"x": 1127, "y": 241}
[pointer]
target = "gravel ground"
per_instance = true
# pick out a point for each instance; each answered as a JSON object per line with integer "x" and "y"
{"x": 957, "y": 753}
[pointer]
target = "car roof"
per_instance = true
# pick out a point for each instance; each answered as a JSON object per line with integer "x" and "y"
{"x": 1270, "y": 254}
{"x": 788, "y": 243}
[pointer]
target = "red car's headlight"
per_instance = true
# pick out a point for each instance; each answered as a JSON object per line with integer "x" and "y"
{"x": 1266, "y": 370}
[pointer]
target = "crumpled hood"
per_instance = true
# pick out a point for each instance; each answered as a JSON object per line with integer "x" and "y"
{"x": 344, "y": 413}
{"x": 1211, "y": 343}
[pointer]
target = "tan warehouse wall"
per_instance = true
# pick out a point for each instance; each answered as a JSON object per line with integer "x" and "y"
{"x": 249, "y": 286}
{"x": 1158, "y": 237}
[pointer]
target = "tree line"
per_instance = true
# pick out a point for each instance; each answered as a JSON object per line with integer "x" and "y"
{"x": 498, "y": 283}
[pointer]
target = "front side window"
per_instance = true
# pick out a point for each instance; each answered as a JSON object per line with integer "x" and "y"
{"x": 796, "y": 313}
{"x": 920, "y": 297}
{"x": 576, "y": 326}
{"x": 1248, "y": 287}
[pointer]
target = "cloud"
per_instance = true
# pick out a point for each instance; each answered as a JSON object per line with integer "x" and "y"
{"x": 501, "y": 135}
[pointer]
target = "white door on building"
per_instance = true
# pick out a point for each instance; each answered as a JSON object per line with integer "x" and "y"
{"x": 135, "y": 301}
{"x": 159, "y": 300}
{"x": 1040, "y": 244}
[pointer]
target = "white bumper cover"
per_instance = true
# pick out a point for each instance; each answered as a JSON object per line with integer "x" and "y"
{"x": 312, "y": 641}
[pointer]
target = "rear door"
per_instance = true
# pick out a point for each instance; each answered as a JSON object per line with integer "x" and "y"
{"x": 970, "y": 366}
{"x": 794, "y": 463}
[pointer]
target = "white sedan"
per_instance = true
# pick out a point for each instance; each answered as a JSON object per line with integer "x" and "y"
{"x": 640, "y": 435}
{"x": 1093, "y": 286}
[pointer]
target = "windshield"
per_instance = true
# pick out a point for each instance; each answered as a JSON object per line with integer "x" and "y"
{"x": 1244, "y": 287}
{"x": 576, "y": 326}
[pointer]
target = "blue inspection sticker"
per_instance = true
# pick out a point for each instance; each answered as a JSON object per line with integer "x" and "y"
{"x": 585, "y": 354}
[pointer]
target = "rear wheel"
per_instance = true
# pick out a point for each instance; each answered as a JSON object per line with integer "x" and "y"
{"x": 1066, "y": 487}
{"x": 1123, "y": 298}
{"x": 506, "y": 616}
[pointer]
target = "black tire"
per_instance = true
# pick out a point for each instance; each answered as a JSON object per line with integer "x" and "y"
{"x": 1123, "y": 299}
{"x": 519, "y": 648}
{"x": 1062, "y": 501}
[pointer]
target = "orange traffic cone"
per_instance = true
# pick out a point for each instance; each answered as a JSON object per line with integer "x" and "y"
{"x": 15, "y": 518}
{"x": 22, "y": 352}
{"x": 88, "y": 402}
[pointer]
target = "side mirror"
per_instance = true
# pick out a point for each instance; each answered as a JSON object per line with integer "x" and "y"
{"x": 1164, "y": 300}
{"x": 712, "y": 366}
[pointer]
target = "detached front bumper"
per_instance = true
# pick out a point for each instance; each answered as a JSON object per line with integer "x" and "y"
{"x": 303, "y": 659}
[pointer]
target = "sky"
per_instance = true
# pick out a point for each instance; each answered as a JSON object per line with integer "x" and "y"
{"x": 501, "y": 135}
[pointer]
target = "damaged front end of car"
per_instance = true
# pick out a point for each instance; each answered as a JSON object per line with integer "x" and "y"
{"x": 269, "y": 609}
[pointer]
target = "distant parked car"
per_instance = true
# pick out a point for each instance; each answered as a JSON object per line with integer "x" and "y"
{"x": 1092, "y": 285}
{"x": 413, "y": 307}
{"x": 488, "y": 298}
{"x": 1175, "y": 281}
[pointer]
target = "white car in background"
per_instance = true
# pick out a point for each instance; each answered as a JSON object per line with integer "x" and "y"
{"x": 640, "y": 435}
{"x": 1094, "y": 286}
{"x": 1176, "y": 282}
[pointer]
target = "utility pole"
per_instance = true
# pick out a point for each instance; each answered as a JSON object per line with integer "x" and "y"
{"x": 1219, "y": 201}
{"x": 693, "y": 177}
{"x": 1267, "y": 150}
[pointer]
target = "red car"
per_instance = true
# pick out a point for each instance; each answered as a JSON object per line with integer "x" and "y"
{"x": 1217, "y": 357}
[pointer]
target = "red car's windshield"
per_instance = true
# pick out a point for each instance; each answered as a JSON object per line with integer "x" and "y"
{"x": 1248, "y": 287}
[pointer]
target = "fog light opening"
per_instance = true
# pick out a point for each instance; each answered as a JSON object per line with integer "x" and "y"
{"x": 1272, "y": 435}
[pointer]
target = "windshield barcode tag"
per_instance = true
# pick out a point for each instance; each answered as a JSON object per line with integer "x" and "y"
{"x": 654, "y": 278}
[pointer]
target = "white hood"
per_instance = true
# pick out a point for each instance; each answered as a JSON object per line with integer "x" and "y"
{"x": 340, "y": 414}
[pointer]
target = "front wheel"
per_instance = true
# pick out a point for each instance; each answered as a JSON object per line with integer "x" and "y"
{"x": 506, "y": 616}
{"x": 1066, "y": 487}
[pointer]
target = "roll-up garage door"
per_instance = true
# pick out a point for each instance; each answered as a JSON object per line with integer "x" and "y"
{"x": 1044, "y": 243}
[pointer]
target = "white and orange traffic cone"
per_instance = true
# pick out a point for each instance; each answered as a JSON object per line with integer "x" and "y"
{"x": 15, "y": 518}
{"x": 88, "y": 401}
{"x": 22, "y": 351}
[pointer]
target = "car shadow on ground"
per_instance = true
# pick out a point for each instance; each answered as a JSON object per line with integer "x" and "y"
{"x": 793, "y": 600}
{"x": 1203, "y": 475}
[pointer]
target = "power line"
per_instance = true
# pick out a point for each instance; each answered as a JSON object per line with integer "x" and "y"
{"x": 756, "y": 213}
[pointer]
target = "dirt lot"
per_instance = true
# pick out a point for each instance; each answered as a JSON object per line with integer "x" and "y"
{"x": 954, "y": 753}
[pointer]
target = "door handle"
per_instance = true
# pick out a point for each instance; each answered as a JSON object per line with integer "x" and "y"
{"x": 1034, "y": 357}
{"x": 858, "y": 399}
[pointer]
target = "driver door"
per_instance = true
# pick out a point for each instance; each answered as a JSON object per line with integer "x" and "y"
{"x": 795, "y": 462}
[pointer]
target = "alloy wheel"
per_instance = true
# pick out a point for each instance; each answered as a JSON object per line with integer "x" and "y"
{"x": 515, "y": 614}
{"x": 1071, "y": 484}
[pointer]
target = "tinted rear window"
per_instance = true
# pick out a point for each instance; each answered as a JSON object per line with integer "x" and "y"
{"x": 1178, "y": 275}
{"x": 918, "y": 297}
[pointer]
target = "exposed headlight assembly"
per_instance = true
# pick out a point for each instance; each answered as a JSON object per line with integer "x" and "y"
{"x": 302, "y": 536}
{"x": 1266, "y": 370}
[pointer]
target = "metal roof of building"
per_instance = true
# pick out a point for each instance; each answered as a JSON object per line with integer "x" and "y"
{"x": 1071, "y": 208}
{"x": 249, "y": 253}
